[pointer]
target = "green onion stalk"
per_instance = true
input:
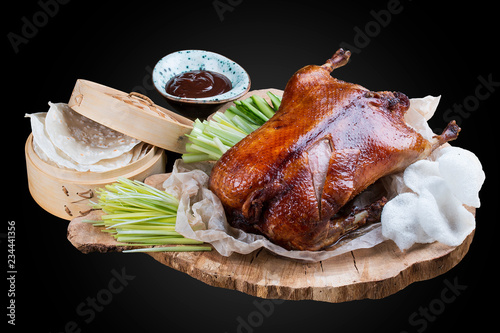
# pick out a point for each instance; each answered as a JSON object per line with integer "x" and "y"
{"x": 209, "y": 139}
{"x": 137, "y": 214}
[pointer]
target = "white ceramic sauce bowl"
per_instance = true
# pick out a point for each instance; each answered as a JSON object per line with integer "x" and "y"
{"x": 189, "y": 60}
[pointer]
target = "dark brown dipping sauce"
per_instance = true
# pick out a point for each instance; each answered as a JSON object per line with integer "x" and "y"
{"x": 198, "y": 84}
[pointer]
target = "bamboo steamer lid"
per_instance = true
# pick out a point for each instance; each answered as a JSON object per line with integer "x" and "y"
{"x": 131, "y": 113}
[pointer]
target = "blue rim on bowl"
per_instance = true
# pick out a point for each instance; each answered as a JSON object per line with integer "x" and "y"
{"x": 190, "y": 60}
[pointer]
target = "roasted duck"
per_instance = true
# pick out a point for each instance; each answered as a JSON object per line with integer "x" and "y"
{"x": 292, "y": 179}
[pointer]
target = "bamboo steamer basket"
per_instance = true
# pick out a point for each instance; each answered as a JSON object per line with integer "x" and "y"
{"x": 67, "y": 193}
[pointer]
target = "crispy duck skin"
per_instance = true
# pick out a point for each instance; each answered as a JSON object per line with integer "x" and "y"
{"x": 327, "y": 143}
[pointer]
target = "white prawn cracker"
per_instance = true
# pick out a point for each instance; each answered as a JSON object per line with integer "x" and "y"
{"x": 433, "y": 209}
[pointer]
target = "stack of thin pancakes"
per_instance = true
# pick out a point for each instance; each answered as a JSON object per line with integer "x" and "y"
{"x": 66, "y": 139}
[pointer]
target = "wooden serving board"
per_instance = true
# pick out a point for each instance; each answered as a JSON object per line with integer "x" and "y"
{"x": 367, "y": 273}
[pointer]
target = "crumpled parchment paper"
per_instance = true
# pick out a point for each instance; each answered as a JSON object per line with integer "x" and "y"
{"x": 419, "y": 210}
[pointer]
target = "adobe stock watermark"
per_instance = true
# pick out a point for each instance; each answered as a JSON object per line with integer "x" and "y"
{"x": 31, "y": 25}
{"x": 87, "y": 310}
{"x": 147, "y": 82}
{"x": 223, "y": 6}
{"x": 264, "y": 308}
{"x": 144, "y": 88}
{"x": 420, "y": 319}
{"x": 373, "y": 28}
{"x": 460, "y": 111}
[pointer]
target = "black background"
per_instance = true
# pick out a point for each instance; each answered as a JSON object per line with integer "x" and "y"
{"x": 427, "y": 48}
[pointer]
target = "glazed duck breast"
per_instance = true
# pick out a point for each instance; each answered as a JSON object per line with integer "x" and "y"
{"x": 291, "y": 179}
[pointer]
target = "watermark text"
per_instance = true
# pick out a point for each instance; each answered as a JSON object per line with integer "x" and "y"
{"x": 88, "y": 309}
{"x": 223, "y": 6}
{"x": 31, "y": 25}
{"x": 420, "y": 319}
{"x": 381, "y": 19}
